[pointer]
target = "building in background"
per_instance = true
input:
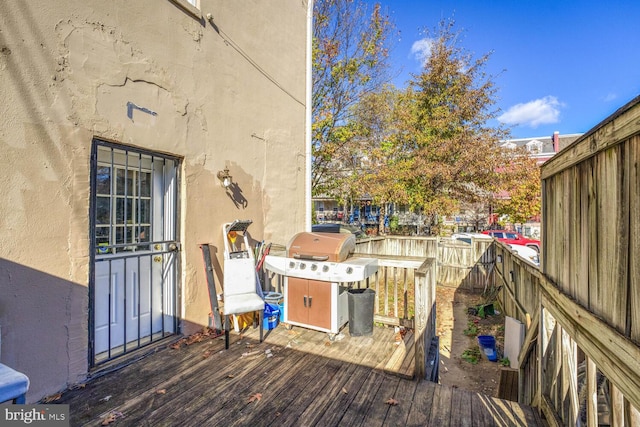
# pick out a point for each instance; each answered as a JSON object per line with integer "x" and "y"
{"x": 541, "y": 149}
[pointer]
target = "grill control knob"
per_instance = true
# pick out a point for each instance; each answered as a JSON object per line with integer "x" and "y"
{"x": 349, "y": 270}
{"x": 302, "y": 266}
{"x": 325, "y": 268}
{"x": 314, "y": 267}
{"x": 292, "y": 264}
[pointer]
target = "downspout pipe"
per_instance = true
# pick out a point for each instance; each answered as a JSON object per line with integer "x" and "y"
{"x": 308, "y": 119}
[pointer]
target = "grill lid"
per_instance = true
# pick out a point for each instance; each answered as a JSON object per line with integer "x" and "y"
{"x": 335, "y": 247}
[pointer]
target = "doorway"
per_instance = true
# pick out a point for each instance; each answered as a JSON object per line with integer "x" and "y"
{"x": 134, "y": 249}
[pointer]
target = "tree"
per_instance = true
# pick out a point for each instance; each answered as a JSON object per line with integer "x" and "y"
{"x": 375, "y": 123}
{"x": 450, "y": 151}
{"x": 350, "y": 50}
{"x": 520, "y": 184}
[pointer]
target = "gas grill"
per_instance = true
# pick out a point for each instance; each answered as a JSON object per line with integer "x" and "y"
{"x": 319, "y": 269}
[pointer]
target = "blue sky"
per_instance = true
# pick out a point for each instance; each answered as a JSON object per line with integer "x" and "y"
{"x": 567, "y": 64}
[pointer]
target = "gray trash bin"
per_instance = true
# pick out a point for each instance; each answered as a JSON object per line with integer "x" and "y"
{"x": 360, "y": 302}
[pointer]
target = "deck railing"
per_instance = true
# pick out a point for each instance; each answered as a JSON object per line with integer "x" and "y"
{"x": 572, "y": 365}
{"x": 589, "y": 346}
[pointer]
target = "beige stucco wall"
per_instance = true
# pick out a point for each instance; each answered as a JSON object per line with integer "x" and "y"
{"x": 230, "y": 93}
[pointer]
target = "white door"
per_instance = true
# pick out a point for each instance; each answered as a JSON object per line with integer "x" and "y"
{"x": 135, "y": 249}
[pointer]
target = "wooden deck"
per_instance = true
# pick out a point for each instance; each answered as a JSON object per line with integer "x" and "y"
{"x": 294, "y": 378}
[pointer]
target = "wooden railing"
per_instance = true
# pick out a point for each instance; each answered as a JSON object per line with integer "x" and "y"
{"x": 406, "y": 288}
{"x": 566, "y": 351}
{"x": 459, "y": 264}
{"x": 573, "y": 366}
{"x": 394, "y": 283}
{"x": 406, "y": 296}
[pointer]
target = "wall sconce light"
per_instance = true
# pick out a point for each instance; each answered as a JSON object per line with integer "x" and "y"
{"x": 225, "y": 178}
{"x": 499, "y": 259}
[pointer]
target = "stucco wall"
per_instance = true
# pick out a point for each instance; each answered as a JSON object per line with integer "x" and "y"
{"x": 227, "y": 92}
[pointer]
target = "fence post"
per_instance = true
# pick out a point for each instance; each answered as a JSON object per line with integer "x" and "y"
{"x": 425, "y": 285}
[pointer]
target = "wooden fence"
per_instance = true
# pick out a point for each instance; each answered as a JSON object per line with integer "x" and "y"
{"x": 466, "y": 266}
{"x": 580, "y": 361}
{"x": 460, "y": 265}
{"x": 575, "y": 367}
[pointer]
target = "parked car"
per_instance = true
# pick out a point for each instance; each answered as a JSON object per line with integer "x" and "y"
{"x": 466, "y": 237}
{"x": 513, "y": 238}
{"x": 333, "y": 227}
{"x": 526, "y": 252}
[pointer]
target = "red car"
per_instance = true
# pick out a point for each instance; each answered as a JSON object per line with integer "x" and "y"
{"x": 513, "y": 238}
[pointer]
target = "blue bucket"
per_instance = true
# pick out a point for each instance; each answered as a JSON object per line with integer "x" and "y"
{"x": 487, "y": 341}
{"x": 271, "y": 314}
{"x": 488, "y": 346}
{"x": 281, "y": 309}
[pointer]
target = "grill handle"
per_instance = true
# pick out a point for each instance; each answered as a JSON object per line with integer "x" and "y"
{"x": 311, "y": 257}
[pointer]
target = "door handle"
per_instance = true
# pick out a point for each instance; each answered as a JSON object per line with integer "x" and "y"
{"x": 305, "y": 300}
{"x": 310, "y": 300}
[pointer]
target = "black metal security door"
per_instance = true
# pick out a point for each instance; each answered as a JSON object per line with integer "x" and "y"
{"x": 134, "y": 249}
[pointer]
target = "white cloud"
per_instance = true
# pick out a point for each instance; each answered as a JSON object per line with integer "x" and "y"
{"x": 610, "y": 97}
{"x": 421, "y": 50}
{"x": 533, "y": 113}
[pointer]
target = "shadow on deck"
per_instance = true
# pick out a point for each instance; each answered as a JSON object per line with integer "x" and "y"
{"x": 293, "y": 378}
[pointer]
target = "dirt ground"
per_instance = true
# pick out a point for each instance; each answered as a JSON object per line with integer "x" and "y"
{"x": 453, "y": 318}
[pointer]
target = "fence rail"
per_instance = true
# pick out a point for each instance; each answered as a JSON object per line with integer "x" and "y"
{"x": 574, "y": 366}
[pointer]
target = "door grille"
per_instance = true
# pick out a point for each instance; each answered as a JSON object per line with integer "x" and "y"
{"x": 133, "y": 249}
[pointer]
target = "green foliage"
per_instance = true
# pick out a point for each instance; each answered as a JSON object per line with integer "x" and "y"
{"x": 472, "y": 355}
{"x": 393, "y": 224}
{"x": 350, "y": 50}
{"x": 505, "y": 361}
{"x": 314, "y": 218}
{"x": 429, "y": 146}
{"x": 452, "y": 151}
{"x": 520, "y": 182}
{"x": 472, "y": 329}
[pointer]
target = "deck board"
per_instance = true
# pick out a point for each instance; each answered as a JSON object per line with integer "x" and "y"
{"x": 441, "y": 407}
{"x": 480, "y": 411}
{"x": 377, "y": 413}
{"x": 365, "y": 400}
{"x": 308, "y": 380}
{"x": 422, "y": 403}
{"x": 398, "y": 414}
{"x": 402, "y": 361}
{"x": 242, "y": 400}
{"x": 461, "y": 414}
